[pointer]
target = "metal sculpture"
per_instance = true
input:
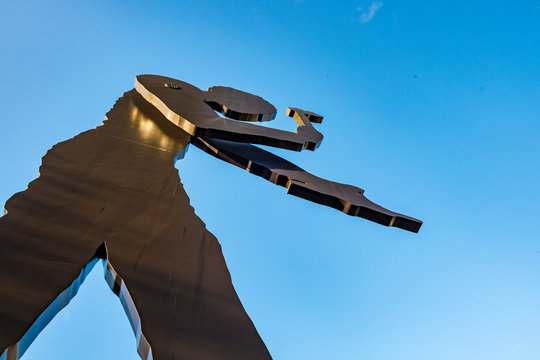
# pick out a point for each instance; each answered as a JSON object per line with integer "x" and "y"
{"x": 113, "y": 194}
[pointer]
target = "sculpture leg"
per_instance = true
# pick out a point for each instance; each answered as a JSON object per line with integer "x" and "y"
{"x": 35, "y": 285}
{"x": 179, "y": 284}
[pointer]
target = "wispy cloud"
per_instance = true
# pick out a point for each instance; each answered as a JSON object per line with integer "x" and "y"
{"x": 368, "y": 14}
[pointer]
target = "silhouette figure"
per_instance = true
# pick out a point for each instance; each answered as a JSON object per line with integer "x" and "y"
{"x": 113, "y": 194}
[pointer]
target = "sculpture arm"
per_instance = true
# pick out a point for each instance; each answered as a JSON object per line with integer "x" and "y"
{"x": 346, "y": 198}
{"x": 192, "y": 110}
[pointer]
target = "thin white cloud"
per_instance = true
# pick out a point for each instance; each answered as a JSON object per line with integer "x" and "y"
{"x": 369, "y": 13}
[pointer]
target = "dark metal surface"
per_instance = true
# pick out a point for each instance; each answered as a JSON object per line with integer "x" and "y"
{"x": 239, "y": 105}
{"x": 113, "y": 194}
{"x": 346, "y": 198}
{"x": 185, "y": 106}
{"x": 117, "y": 185}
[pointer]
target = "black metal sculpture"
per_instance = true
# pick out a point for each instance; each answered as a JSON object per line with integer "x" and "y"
{"x": 113, "y": 194}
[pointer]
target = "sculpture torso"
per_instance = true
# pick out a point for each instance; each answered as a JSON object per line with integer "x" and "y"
{"x": 117, "y": 185}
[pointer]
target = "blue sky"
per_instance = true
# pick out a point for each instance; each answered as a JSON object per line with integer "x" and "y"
{"x": 431, "y": 107}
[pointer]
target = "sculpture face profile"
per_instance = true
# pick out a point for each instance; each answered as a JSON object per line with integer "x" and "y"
{"x": 113, "y": 194}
